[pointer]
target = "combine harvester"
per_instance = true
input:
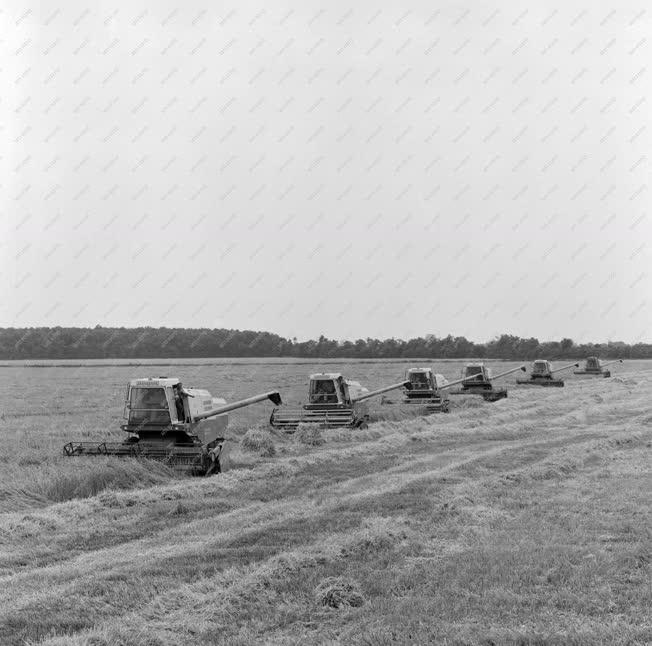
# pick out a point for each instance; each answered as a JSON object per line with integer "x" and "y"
{"x": 477, "y": 380}
{"x": 183, "y": 428}
{"x": 428, "y": 391}
{"x": 594, "y": 366}
{"x": 542, "y": 374}
{"x": 333, "y": 402}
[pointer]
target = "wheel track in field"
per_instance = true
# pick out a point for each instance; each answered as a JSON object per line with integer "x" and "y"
{"x": 83, "y": 512}
{"x": 22, "y": 593}
{"x": 92, "y": 518}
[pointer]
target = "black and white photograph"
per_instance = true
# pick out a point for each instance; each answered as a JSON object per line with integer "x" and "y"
{"x": 325, "y": 323}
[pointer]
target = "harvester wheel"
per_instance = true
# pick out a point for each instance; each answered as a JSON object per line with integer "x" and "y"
{"x": 212, "y": 461}
{"x": 213, "y": 467}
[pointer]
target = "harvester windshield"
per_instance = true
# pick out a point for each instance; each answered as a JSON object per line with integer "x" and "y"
{"x": 540, "y": 367}
{"x": 323, "y": 391}
{"x": 148, "y": 406}
{"x": 419, "y": 380}
{"x": 474, "y": 371}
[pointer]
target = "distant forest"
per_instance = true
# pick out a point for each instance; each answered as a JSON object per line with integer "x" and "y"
{"x": 148, "y": 342}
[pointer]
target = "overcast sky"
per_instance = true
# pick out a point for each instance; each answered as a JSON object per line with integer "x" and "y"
{"x": 352, "y": 169}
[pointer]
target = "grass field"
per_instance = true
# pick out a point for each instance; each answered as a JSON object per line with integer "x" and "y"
{"x": 526, "y": 521}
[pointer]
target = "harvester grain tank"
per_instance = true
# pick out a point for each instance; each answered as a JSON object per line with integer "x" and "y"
{"x": 165, "y": 422}
{"x": 542, "y": 374}
{"x": 477, "y": 380}
{"x": 593, "y": 366}
{"x": 428, "y": 389}
{"x": 333, "y": 401}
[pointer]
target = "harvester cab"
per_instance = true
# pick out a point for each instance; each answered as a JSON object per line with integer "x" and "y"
{"x": 329, "y": 388}
{"x": 476, "y": 372}
{"x": 333, "y": 401}
{"x": 477, "y": 380}
{"x": 422, "y": 379}
{"x": 542, "y": 374}
{"x": 182, "y": 427}
{"x": 542, "y": 368}
{"x": 593, "y": 366}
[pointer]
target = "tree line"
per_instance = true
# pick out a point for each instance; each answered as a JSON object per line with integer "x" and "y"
{"x": 162, "y": 343}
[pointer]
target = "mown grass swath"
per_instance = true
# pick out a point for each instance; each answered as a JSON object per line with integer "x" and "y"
{"x": 522, "y": 521}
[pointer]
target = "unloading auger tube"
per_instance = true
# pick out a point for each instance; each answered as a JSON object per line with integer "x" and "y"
{"x": 610, "y": 363}
{"x": 273, "y": 396}
{"x": 499, "y": 375}
{"x": 453, "y": 383}
{"x": 403, "y": 384}
{"x": 570, "y": 365}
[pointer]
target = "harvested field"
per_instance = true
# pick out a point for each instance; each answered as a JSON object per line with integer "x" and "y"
{"x": 525, "y": 521}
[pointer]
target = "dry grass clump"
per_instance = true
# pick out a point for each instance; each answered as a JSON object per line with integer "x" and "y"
{"x": 258, "y": 441}
{"x": 470, "y": 402}
{"x": 309, "y": 434}
{"x": 338, "y": 592}
{"x": 353, "y": 434}
{"x": 626, "y": 381}
{"x": 553, "y": 470}
{"x": 119, "y": 637}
